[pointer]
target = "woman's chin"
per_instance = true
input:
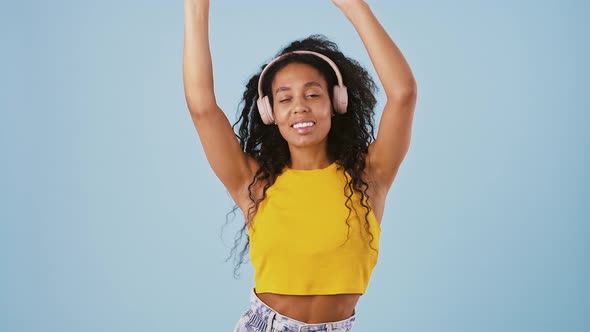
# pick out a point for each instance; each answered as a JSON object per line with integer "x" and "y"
{"x": 306, "y": 142}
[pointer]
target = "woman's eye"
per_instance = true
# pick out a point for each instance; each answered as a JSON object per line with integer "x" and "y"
{"x": 313, "y": 95}
{"x": 282, "y": 101}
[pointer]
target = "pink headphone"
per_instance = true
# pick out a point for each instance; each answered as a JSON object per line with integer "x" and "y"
{"x": 340, "y": 100}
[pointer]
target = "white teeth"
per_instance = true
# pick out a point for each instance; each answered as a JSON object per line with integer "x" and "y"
{"x": 303, "y": 125}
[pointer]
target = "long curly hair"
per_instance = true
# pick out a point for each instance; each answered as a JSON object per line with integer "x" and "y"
{"x": 348, "y": 139}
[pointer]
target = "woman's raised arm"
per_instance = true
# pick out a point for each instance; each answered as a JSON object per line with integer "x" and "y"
{"x": 231, "y": 165}
{"x": 388, "y": 150}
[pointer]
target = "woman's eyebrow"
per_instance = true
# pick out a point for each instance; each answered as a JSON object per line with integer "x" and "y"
{"x": 306, "y": 85}
{"x": 312, "y": 83}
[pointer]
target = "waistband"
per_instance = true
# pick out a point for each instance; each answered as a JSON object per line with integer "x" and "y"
{"x": 266, "y": 319}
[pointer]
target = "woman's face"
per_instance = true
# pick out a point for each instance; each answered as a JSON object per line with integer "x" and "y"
{"x": 301, "y": 105}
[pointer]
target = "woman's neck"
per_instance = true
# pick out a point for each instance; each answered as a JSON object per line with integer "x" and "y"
{"x": 307, "y": 159}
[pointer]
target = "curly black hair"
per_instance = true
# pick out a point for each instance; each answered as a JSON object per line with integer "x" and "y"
{"x": 348, "y": 139}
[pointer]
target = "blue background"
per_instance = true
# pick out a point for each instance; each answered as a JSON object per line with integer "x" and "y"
{"x": 111, "y": 219}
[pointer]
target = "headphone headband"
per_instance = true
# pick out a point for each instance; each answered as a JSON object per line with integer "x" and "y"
{"x": 328, "y": 60}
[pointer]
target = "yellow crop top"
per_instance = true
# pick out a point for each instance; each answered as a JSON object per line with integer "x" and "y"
{"x": 298, "y": 238}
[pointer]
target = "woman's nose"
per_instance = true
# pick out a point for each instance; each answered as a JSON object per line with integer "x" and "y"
{"x": 300, "y": 106}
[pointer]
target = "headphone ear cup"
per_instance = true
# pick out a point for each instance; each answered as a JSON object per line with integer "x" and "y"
{"x": 340, "y": 99}
{"x": 265, "y": 110}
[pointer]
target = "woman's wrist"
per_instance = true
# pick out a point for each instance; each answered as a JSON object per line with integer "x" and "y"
{"x": 351, "y": 9}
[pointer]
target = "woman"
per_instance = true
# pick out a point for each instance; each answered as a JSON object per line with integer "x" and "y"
{"x": 304, "y": 171}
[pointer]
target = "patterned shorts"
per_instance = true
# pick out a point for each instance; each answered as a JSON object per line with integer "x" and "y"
{"x": 262, "y": 318}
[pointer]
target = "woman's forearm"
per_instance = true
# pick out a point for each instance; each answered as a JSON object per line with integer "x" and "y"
{"x": 391, "y": 66}
{"x": 197, "y": 67}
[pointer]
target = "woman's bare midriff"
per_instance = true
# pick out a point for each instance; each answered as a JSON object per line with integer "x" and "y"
{"x": 312, "y": 309}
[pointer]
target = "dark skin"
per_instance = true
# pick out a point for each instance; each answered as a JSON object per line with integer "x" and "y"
{"x": 312, "y": 309}
{"x": 308, "y": 150}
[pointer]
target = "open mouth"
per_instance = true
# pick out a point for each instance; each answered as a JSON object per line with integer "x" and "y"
{"x": 306, "y": 124}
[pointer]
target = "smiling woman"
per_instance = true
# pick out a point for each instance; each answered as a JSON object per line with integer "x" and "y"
{"x": 306, "y": 170}
{"x": 302, "y": 108}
